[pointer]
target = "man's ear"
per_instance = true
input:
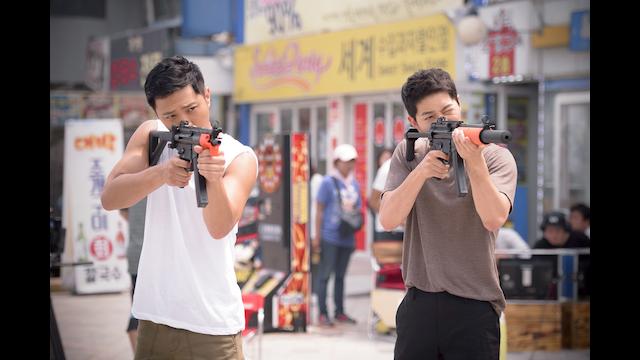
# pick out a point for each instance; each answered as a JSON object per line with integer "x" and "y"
{"x": 412, "y": 121}
{"x": 207, "y": 95}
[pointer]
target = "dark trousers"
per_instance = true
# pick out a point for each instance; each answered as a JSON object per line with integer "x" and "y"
{"x": 444, "y": 326}
{"x": 133, "y": 322}
{"x": 332, "y": 259}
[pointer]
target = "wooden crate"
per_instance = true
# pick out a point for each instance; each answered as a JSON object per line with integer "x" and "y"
{"x": 387, "y": 252}
{"x": 576, "y": 325}
{"x": 535, "y": 326}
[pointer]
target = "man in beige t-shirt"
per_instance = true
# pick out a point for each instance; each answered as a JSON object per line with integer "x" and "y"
{"x": 454, "y": 299}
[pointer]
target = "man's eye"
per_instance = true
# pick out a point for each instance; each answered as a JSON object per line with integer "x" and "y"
{"x": 192, "y": 108}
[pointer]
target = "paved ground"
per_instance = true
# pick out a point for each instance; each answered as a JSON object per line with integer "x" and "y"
{"x": 92, "y": 327}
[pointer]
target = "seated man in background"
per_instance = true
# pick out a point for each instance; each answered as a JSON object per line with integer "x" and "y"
{"x": 557, "y": 234}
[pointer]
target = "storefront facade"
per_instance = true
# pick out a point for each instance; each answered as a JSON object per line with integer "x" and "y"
{"x": 344, "y": 86}
{"x": 341, "y": 87}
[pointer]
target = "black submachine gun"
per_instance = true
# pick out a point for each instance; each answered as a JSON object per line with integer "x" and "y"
{"x": 439, "y": 135}
{"x": 183, "y": 137}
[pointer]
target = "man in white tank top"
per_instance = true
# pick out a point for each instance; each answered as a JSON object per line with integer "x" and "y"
{"x": 187, "y": 298}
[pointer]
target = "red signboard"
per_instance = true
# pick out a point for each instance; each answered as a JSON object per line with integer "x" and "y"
{"x": 502, "y": 44}
{"x": 101, "y": 247}
{"x": 398, "y": 130}
{"x": 379, "y": 131}
{"x": 361, "y": 145}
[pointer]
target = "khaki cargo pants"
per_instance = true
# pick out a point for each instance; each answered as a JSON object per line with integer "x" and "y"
{"x": 160, "y": 342}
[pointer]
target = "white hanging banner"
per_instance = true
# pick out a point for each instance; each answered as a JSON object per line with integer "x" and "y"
{"x": 91, "y": 150}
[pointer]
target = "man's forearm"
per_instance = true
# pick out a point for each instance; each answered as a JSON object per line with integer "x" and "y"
{"x": 218, "y": 215}
{"x": 125, "y": 190}
{"x": 396, "y": 204}
{"x": 492, "y": 206}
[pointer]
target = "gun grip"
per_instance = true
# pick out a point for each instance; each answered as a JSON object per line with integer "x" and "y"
{"x": 186, "y": 158}
{"x": 201, "y": 185}
{"x": 411, "y": 149}
{"x": 461, "y": 179}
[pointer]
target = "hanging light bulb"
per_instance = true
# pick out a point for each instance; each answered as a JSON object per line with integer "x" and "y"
{"x": 471, "y": 29}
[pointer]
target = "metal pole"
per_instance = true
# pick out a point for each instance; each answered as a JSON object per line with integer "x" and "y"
{"x": 260, "y": 331}
{"x": 540, "y": 162}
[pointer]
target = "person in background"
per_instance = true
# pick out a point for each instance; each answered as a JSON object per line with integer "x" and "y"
{"x": 339, "y": 191}
{"x": 384, "y": 155}
{"x": 557, "y": 234}
{"x": 580, "y": 219}
{"x": 387, "y": 245}
{"x": 314, "y": 186}
{"x": 509, "y": 239}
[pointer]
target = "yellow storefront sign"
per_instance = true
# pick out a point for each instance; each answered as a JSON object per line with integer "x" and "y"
{"x": 375, "y": 58}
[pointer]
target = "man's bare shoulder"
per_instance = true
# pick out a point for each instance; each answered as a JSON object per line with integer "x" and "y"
{"x": 141, "y": 135}
{"x": 148, "y": 126}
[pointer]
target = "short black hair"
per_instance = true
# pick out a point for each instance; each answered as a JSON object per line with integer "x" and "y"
{"x": 170, "y": 75}
{"x": 582, "y": 209}
{"x": 424, "y": 83}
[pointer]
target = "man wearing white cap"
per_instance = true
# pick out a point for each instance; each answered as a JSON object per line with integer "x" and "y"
{"x": 339, "y": 193}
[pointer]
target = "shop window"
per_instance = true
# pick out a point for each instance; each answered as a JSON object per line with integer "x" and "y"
{"x": 304, "y": 119}
{"x": 319, "y": 156}
{"x": 286, "y": 121}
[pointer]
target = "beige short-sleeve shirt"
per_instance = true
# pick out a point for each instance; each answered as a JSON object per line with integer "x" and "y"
{"x": 446, "y": 247}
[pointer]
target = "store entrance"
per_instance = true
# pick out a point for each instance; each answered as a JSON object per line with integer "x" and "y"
{"x": 285, "y": 118}
{"x": 379, "y": 124}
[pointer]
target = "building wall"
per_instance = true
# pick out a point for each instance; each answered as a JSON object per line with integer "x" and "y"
{"x": 561, "y": 61}
{"x": 68, "y": 37}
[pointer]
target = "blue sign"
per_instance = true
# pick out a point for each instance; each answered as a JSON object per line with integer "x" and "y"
{"x": 206, "y": 17}
{"x": 580, "y": 38}
{"x": 520, "y": 212}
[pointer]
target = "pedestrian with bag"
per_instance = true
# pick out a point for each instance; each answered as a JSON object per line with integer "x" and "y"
{"x": 338, "y": 218}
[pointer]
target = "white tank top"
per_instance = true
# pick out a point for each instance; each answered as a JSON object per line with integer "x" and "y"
{"x": 186, "y": 278}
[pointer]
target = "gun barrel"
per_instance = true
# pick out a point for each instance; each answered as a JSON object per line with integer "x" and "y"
{"x": 480, "y": 136}
{"x": 495, "y": 136}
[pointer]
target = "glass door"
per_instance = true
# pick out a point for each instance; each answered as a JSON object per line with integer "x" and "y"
{"x": 310, "y": 117}
{"x": 571, "y": 158}
{"x": 517, "y": 111}
{"x": 265, "y": 120}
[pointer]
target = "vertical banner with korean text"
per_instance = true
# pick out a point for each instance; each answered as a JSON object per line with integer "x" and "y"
{"x": 293, "y": 303}
{"x": 92, "y": 148}
{"x": 361, "y": 141}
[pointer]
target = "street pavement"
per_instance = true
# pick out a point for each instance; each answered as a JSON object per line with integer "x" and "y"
{"x": 92, "y": 327}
